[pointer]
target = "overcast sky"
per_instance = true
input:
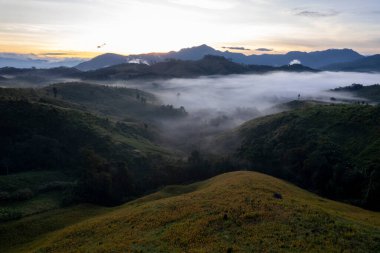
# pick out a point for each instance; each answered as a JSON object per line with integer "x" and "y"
{"x": 137, "y": 26}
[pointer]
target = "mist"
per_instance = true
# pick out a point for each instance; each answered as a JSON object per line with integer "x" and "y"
{"x": 216, "y": 104}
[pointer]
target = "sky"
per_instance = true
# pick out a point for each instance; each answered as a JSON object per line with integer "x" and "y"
{"x": 84, "y": 28}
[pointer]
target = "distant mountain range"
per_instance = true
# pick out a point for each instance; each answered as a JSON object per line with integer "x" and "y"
{"x": 366, "y": 64}
{"x": 317, "y": 59}
{"x": 208, "y": 65}
{"x": 193, "y": 61}
{"x": 31, "y": 60}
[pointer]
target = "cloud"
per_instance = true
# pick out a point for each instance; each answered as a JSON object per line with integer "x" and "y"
{"x": 237, "y": 48}
{"x": 218, "y": 103}
{"x": 54, "y": 54}
{"x": 263, "y": 49}
{"x": 294, "y": 62}
{"x": 315, "y": 14}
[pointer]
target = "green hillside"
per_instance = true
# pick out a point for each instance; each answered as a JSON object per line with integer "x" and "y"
{"x": 370, "y": 92}
{"x": 117, "y": 102}
{"x": 55, "y": 152}
{"x": 330, "y": 149}
{"x": 233, "y": 212}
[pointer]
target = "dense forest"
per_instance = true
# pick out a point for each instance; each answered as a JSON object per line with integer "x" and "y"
{"x": 329, "y": 149}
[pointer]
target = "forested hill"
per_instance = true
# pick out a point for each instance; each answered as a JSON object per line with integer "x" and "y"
{"x": 329, "y": 149}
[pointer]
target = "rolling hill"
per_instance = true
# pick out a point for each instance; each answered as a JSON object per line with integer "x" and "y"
{"x": 233, "y": 212}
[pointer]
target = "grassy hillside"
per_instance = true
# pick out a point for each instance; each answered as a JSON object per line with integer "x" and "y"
{"x": 233, "y": 212}
{"x": 330, "y": 149}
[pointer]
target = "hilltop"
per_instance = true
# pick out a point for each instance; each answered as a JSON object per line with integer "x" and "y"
{"x": 233, "y": 212}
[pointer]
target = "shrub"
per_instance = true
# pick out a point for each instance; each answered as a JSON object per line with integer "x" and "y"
{"x": 5, "y": 196}
{"x": 22, "y": 194}
{"x": 55, "y": 186}
{"x": 8, "y": 215}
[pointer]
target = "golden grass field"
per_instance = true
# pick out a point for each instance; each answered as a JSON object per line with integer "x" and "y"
{"x": 233, "y": 212}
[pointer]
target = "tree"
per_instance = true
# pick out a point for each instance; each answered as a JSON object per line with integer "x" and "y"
{"x": 55, "y": 91}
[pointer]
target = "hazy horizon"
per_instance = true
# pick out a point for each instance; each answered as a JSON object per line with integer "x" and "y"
{"x": 87, "y": 28}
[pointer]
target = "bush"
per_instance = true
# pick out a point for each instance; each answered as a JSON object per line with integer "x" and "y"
{"x": 22, "y": 194}
{"x": 5, "y": 196}
{"x": 55, "y": 186}
{"x": 8, "y": 215}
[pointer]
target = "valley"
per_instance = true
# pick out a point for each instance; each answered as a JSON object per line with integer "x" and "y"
{"x": 111, "y": 165}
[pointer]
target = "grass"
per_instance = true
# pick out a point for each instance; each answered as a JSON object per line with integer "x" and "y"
{"x": 233, "y": 212}
{"x": 22, "y": 232}
{"x": 37, "y": 204}
{"x": 41, "y": 201}
{"x": 32, "y": 180}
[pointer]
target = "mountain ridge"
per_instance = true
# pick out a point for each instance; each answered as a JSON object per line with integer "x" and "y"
{"x": 314, "y": 59}
{"x": 366, "y": 64}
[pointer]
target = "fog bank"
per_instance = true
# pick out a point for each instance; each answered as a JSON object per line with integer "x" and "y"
{"x": 223, "y": 102}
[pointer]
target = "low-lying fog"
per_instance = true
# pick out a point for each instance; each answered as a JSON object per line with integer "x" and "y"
{"x": 226, "y": 93}
{"x": 219, "y": 103}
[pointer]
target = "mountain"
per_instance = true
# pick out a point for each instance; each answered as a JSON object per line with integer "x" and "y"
{"x": 208, "y": 65}
{"x": 102, "y": 61}
{"x": 329, "y": 149}
{"x": 193, "y": 53}
{"x": 313, "y": 59}
{"x": 233, "y": 212}
{"x": 366, "y": 64}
